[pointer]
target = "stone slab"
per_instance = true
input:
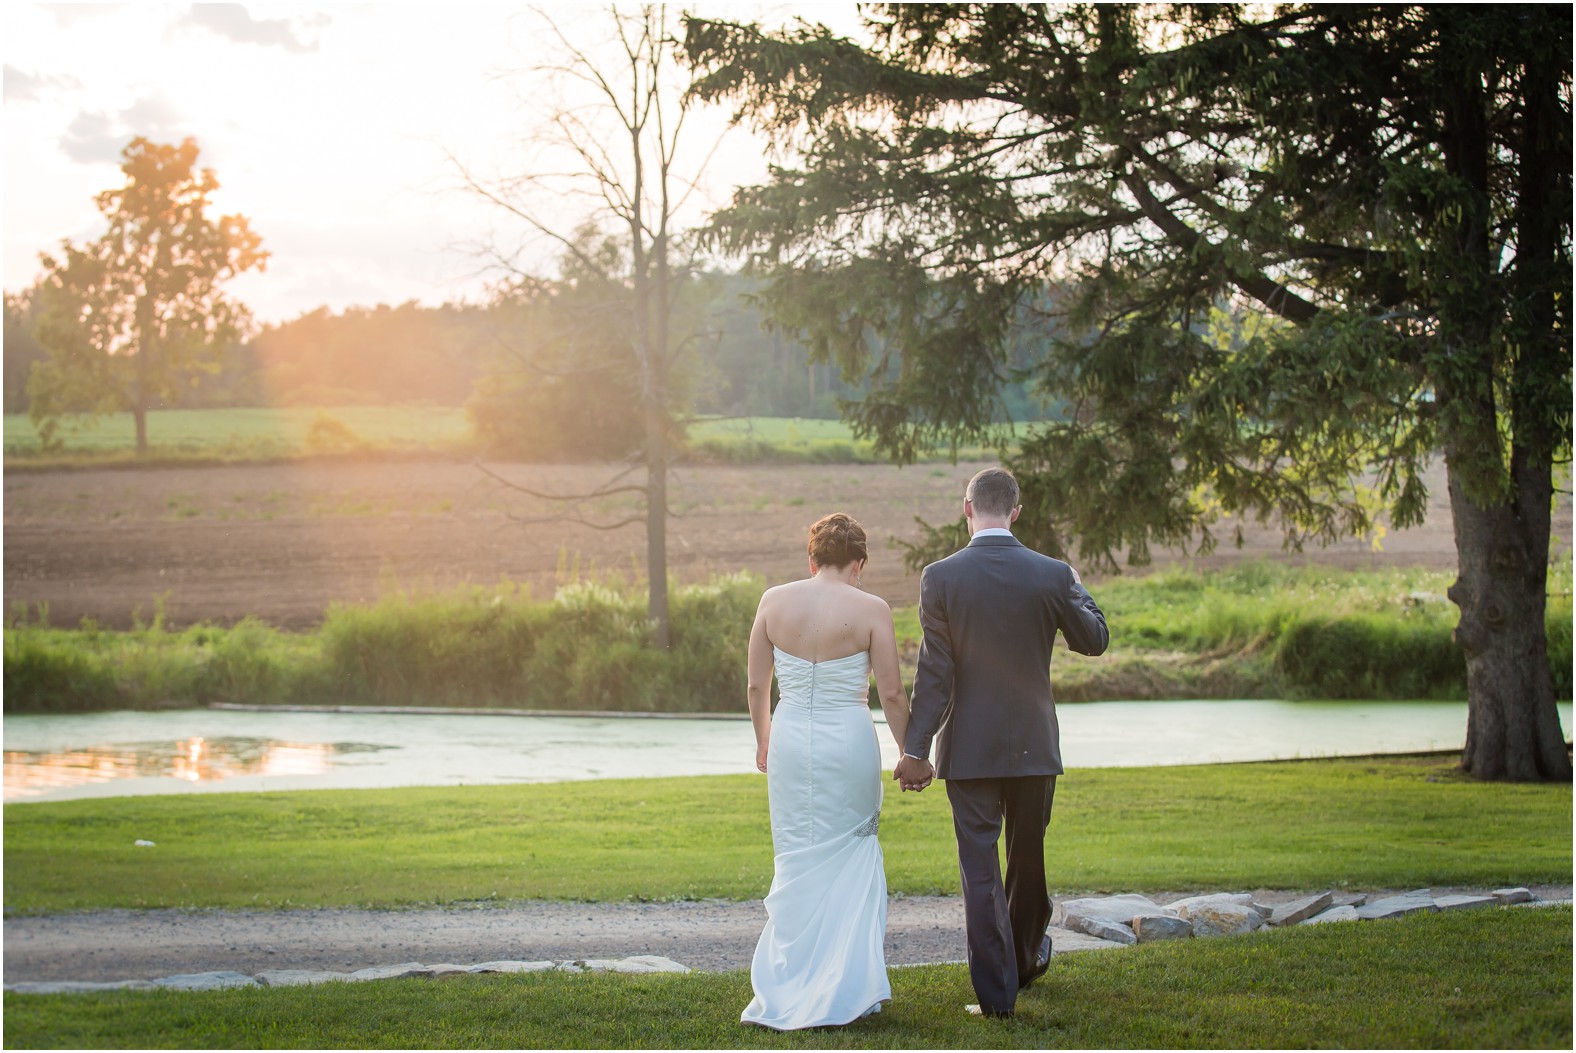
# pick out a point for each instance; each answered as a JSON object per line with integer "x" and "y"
{"x": 650, "y": 963}
{"x": 1119, "y": 910}
{"x": 1345, "y": 912}
{"x": 206, "y": 981}
{"x": 1512, "y": 895}
{"x": 1300, "y": 910}
{"x": 1221, "y": 918}
{"x": 1464, "y": 902}
{"x": 1111, "y": 931}
{"x": 298, "y": 977}
{"x": 391, "y": 972}
{"x": 1237, "y": 899}
{"x": 513, "y": 967}
{"x": 78, "y": 986}
{"x": 1066, "y": 941}
{"x": 1151, "y": 927}
{"x": 1414, "y": 902}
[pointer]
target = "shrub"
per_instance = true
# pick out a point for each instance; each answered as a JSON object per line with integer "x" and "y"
{"x": 468, "y": 648}
{"x": 1368, "y": 656}
{"x": 43, "y": 676}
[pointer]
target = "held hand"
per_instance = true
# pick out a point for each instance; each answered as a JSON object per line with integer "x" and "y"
{"x": 760, "y": 756}
{"x": 913, "y": 774}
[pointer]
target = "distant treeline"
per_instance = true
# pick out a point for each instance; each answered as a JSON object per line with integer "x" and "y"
{"x": 444, "y": 355}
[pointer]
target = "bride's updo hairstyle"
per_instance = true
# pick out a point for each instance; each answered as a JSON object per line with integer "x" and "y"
{"x": 836, "y": 541}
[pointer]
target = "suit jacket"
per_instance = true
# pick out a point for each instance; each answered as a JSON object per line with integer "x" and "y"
{"x": 990, "y": 613}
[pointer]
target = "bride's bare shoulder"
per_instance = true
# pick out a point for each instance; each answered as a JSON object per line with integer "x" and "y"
{"x": 778, "y": 593}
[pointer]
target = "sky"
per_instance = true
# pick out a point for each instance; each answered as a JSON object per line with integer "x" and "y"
{"x": 337, "y": 129}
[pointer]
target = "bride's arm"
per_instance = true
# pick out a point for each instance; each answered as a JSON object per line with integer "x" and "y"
{"x": 758, "y": 691}
{"x": 889, "y": 682}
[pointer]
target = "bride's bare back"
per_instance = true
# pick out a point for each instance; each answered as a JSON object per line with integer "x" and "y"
{"x": 823, "y": 619}
{"x": 820, "y": 620}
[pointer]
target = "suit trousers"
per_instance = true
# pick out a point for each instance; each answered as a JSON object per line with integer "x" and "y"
{"x": 1006, "y": 922}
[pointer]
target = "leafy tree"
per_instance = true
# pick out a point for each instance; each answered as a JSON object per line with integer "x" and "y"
{"x": 565, "y": 383}
{"x": 131, "y": 319}
{"x": 21, "y": 349}
{"x": 1378, "y": 195}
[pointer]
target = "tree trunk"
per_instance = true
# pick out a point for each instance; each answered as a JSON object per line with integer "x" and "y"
{"x": 1513, "y": 727}
{"x": 657, "y": 537}
{"x": 139, "y": 414}
{"x": 1500, "y": 513}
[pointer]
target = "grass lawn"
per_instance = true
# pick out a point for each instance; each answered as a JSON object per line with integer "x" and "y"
{"x": 262, "y": 432}
{"x": 248, "y": 432}
{"x": 1475, "y": 979}
{"x": 1363, "y": 824}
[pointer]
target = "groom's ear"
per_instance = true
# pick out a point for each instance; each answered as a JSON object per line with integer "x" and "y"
{"x": 1013, "y": 518}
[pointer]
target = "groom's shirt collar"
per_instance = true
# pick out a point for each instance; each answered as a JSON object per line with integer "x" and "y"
{"x": 992, "y": 532}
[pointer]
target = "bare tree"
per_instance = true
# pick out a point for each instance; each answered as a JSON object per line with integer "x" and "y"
{"x": 622, "y": 133}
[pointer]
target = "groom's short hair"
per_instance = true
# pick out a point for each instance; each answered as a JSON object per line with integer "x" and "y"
{"x": 993, "y": 492}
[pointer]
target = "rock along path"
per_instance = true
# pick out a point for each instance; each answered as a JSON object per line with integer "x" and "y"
{"x": 115, "y": 945}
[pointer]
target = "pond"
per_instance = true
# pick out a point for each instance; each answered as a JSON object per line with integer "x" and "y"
{"x": 206, "y": 750}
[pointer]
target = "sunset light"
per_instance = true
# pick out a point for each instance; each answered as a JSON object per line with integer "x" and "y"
{"x": 335, "y": 128}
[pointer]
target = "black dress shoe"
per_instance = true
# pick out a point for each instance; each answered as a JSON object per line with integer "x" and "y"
{"x": 1042, "y": 962}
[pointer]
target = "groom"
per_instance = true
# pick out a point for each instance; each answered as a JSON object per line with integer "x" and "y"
{"x": 990, "y": 613}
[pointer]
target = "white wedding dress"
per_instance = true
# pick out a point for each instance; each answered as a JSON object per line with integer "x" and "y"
{"x": 820, "y": 960}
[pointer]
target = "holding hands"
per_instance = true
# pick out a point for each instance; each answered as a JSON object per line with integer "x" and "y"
{"x": 913, "y": 774}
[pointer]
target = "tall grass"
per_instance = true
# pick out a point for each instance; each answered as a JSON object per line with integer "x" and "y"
{"x": 1274, "y": 630}
{"x": 1258, "y": 631}
{"x": 589, "y": 647}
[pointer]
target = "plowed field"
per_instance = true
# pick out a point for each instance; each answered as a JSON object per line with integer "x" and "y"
{"x": 282, "y": 542}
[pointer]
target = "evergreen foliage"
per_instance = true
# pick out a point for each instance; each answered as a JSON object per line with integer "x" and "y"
{"x": 1379, "y": 196}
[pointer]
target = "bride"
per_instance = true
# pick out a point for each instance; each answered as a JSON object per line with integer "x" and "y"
{"x": 820, "y": 960}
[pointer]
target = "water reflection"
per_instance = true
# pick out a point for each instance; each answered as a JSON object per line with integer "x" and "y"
{"x": 55, "y": 757}
{"x": 197, "y": 759}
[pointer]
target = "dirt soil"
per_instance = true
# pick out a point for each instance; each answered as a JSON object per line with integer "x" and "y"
{"x": 284, "y": 541}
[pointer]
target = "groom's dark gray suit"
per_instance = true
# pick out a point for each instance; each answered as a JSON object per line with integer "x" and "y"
{"x": 990, "y": 613}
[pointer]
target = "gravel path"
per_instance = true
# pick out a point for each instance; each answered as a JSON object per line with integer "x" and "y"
{"x": 125, "y": 944}
{"x": 715, "y": 935}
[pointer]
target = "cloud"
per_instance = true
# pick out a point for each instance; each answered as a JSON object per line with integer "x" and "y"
{"x": 21, "y": 86}
{"x": 94, "y": 138}
{"x": 234, "y": 22}
{"x": 68, "y": 15}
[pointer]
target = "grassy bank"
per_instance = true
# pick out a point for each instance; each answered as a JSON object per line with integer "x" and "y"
{"x": 1317, "y": 824}
{"x": 1398, "y": 984}
{"x": 1269, "y": 630}
{"x": 586, "y": 648}
{"x": 1258, "y": 631}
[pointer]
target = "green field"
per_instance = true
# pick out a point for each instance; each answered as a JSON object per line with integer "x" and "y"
{"x": 1485, "y": 978}
{"x": 249, "y": 432}
{"x": 261, "y": 434}
{"x": 1360, "y": 824}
